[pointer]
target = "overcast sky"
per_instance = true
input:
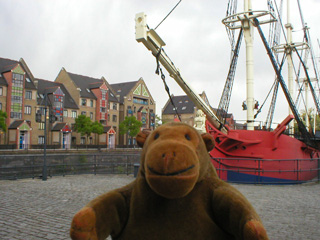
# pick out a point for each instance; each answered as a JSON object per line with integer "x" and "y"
{"x": 97, "y": 38}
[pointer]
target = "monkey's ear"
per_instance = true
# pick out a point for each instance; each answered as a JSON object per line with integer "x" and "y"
{"x": 208, "y": 141}
{"x": 142, "y": 137}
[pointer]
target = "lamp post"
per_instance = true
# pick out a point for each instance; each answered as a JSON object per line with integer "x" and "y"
{"x": 44, "y": 172}
{"x": 39, "y": 119}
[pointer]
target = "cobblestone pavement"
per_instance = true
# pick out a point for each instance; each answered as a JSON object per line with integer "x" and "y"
{"x": 35, "y": 209}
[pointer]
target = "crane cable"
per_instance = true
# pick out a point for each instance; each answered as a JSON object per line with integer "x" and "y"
{"x": 163, "y": 77}
{"x": 168, "y": 14}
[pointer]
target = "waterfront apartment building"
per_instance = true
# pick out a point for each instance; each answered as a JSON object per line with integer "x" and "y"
{"x": 25, "y": 99}
{"x": 135, "y": 100}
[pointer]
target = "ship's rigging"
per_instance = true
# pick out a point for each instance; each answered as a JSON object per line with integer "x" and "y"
{"x": 243, "y": 154}
{"x": 301, "y": 50}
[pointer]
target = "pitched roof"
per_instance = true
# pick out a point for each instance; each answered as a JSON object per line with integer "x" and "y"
{"x": 122, "y": 89}
{"x": 3, "y": 81}
{"x": 45, "y": 86}
{"x": 111, "y": 94}
{"x": 58, "y": 126}
{"x": 17, "y": 123}
{"x": 85, "y": 84}
{"x": 183, "y": 104}
{"x": 8, "y": 64}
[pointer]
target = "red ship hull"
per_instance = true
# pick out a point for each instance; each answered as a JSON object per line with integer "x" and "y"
{"x": 263, "y": 157}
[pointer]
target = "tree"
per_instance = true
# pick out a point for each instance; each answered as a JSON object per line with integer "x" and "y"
{"x": 311, "y": 117}
{"x": 97, "y": 128}
{"x": 3, "y": 117}
{"x": 83, "y": 125}
{"x": 158, "y": 121}
{"x": 130, "y": 126}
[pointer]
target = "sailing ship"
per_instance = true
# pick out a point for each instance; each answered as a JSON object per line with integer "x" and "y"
{"x": 256, "y": 154}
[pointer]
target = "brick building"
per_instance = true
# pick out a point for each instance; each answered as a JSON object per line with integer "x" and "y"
{"x": 187, "y": 110}
{"x": 24, "y": 98}
{"x": 135, "y": 100}
{"x": 17, "y": 99}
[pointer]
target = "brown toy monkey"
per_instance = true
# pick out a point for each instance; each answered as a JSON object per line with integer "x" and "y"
{"x": 176, "y": 195}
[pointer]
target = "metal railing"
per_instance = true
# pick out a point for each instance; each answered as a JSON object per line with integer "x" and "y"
{"x": 268, "y": 171}
{"x": 31, "y": 166}
{"x": 27, "y": 147}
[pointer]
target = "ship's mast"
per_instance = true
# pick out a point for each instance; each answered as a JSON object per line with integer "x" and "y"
{"x": 248, "y": 35}
{"x": 289, "y": 61}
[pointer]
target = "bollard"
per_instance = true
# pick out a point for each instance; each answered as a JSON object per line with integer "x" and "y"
{"x": 136, "y": 169}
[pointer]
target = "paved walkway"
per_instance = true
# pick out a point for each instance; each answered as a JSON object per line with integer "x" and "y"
{"x": 34, "y": 209}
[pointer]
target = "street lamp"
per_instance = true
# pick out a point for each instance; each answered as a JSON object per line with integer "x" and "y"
{"x": 39, "y": 119}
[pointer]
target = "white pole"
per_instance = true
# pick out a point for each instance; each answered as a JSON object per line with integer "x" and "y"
{"x": 314, "y": 121}
{"x": 290, "y": 63}
{"x": 307, "y": 115}
{"x": 248, "y": 34}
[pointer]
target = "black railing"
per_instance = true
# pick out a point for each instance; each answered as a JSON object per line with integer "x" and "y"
{"x": 31, "y": 166}
{"x": 13, "y": 147}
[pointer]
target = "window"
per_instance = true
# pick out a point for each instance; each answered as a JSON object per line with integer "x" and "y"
{"x": 41, "y": 140}
{"x": 28, "y": 95}
{"x": 114, "y": 118}
{"x": 83, "y": 102}
{"x": 140, "y": 101}
{"x": 84, "y": 113}
{"x": 41, "y": 126}
{"x": 114, "y": 106}
{"x": 74, "y": 114}
{"x": 102, "y": 109}
{"x": 83, "y": 140}
{"x": 91, "y": 103}
{"x": 103, "y": 94}
{"x": 90, "y": 140}
{"x": 16, "y": 96}
{"x": 0, "y": 106}
{"x": 65, "y": 113}
{"x": 58, "y": 100}
{"x": 27, "y": 110}
{"x": 91, "y": 115}
{"x": 1, "y": 91}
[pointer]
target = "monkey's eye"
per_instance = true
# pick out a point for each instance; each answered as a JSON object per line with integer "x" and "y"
{"x": 187, "y": 136}
{"x": 156, "y": 136}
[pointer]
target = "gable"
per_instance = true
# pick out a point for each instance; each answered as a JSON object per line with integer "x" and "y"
{"x": 141, "y": 90}
{"x": 18, "y": 69}
{"x": 137, "y": 91}
{"x": 144, "y": 91}
{"x": 59, "y": 92}
{"x": 104, "y": 87}
{"x": 24, "y": 127}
